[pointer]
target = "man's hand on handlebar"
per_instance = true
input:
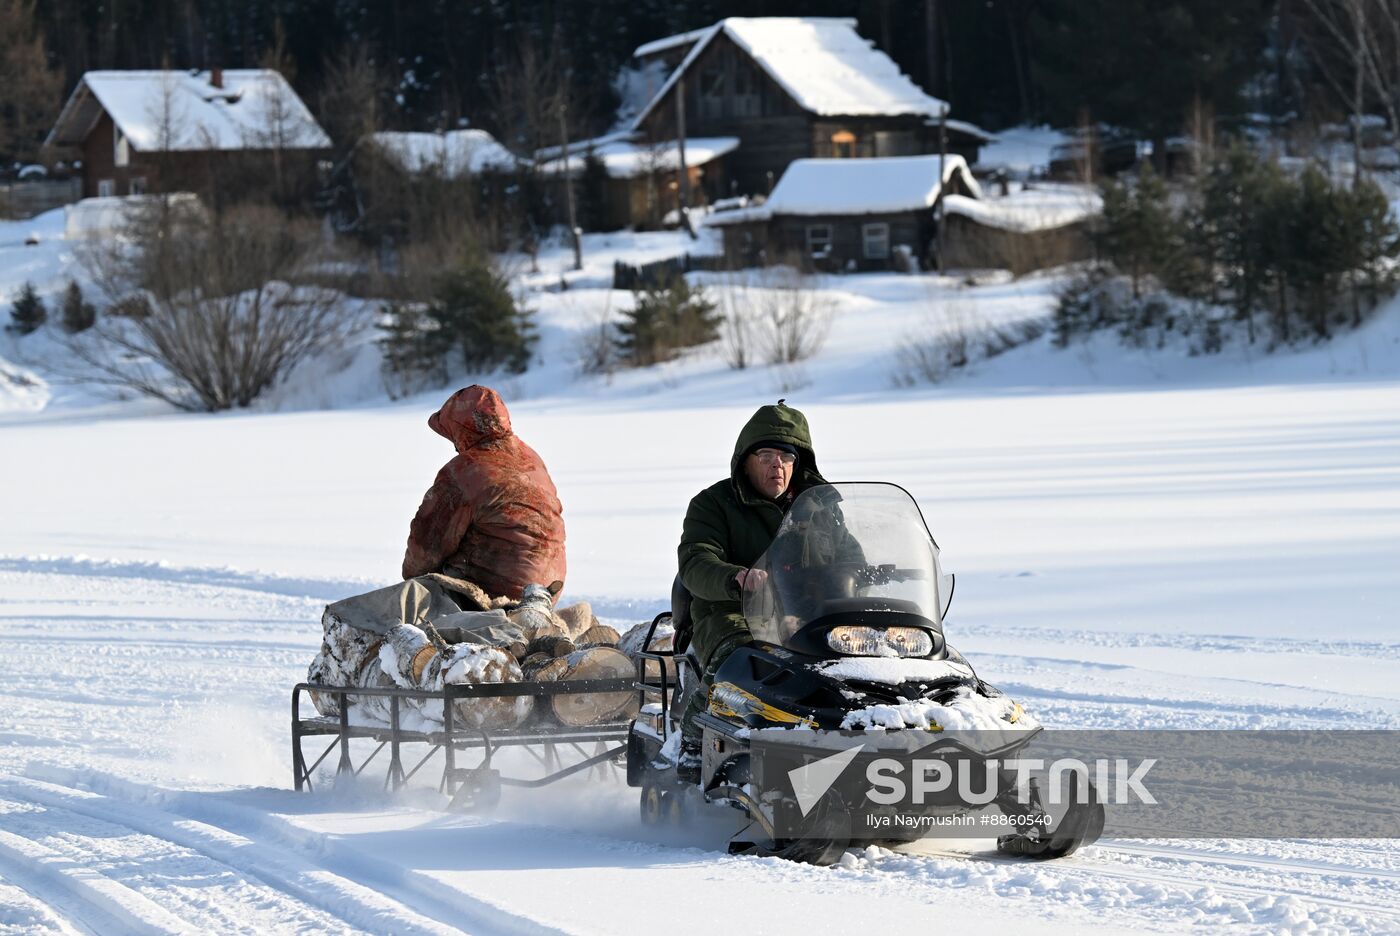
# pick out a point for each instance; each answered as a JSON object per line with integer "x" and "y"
{"x": 751, "y": 579}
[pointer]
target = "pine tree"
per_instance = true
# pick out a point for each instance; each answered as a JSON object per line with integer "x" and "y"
{"x": 1138, "y": 227}
{"x": 665, "y": 319}
{"x": 1241, "y": 197}
{"x": 78, "y": 315}
{"x": 28, "y": 311}
{"x": 1373, "y": 242}
{"x": 476, "y": 312}
{"x": 412, "y": 351}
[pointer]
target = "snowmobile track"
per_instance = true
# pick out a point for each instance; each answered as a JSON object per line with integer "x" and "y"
{"x": 1312, "y": 886}
{"x": 84, "y": 897}
{"x": 365, "y": 893}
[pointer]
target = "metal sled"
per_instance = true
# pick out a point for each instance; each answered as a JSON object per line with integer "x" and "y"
{"x": 559, "y": 749}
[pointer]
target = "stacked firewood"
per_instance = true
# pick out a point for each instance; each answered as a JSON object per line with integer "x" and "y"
{"x": 525, "y": 641}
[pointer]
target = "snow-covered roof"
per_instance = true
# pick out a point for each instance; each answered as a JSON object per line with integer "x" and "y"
{"x": 626, "y": 159}
{"x": 454, "y": 154}
{"x": 821, "y": 62}
{"x": 1042, "y": 208}
{"x": 670, "y": 42}
{"x": 254, "y": 108}
{"x": 963, "y": 126}
{"x": 855, "y": 187}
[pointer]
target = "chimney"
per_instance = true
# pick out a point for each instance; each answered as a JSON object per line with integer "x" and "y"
{"x": 216, "y": 77}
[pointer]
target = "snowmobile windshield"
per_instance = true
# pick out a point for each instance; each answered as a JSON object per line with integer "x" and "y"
{"x": 851, "y": 553}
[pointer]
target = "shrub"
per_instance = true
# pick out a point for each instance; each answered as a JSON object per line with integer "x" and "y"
{"x": 219, "y": 306}
{"x": 28, "y": 311}
{"x": 412, "y": 354}
{"x": 1081, "y": 307}
{"x": 78, "y": 314}
{"x": 476, "y": 314}
{"x": 665, "y": 319}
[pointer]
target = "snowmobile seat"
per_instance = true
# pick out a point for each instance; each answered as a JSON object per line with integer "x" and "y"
{"x": 680, "y": 615}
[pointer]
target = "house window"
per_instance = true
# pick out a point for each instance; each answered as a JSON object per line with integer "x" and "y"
{"x": 747, "y": 102}
{"x": 843, "y": 144}
{"x": 106, "y": 188}
{"x": 819, "y": 240}
{"x": 712, "y": 92}
{"x": 877, "y": 240}
{"x": 121, "y": 151}
{"x": 138, "y": 185}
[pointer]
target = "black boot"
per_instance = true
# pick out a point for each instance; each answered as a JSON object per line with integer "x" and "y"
{"x": 688, "y": 764}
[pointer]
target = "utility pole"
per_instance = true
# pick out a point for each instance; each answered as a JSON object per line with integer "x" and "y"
{"x": 931, "y": 47}
{"x": 684, "y": 187}
{"x": 942, "y": 183}
{"x": 574, "y": 232}
{"x": 1358, "y": 16}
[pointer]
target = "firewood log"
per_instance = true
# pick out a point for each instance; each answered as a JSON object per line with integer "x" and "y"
{"x": 591, "y": 708}
{"x": 600, "y": 635}
{"x": 554, "y": 646}
{"x": 545, "y": 668}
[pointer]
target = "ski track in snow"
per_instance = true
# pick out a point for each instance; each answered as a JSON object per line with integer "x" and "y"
{"x": 144, "y": 766}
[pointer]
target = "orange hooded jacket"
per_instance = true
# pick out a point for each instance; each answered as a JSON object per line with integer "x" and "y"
{"x": 492, "y": 515}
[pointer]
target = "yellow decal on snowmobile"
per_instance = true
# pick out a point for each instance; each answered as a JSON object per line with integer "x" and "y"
{"x": 730, "y": 701}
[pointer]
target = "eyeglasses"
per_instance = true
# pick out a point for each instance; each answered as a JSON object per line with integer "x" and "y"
{"x": 773, "y": 456}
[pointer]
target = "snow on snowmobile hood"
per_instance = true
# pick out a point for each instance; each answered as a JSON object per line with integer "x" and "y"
{"x": 471, "y": 416}
{"x": 778, "y": 423}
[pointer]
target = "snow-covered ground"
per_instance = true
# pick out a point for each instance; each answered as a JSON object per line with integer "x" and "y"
{"x": 1141, "y": 539}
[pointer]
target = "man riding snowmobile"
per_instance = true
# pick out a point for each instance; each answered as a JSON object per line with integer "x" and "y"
{"x": 727, "y": 527}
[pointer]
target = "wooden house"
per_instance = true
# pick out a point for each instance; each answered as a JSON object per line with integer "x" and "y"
{"x": 791, "y": 88}
{"x": 635, "y": 183}
{"x": 151, "y": 131}
{"x": 847, "y": 214}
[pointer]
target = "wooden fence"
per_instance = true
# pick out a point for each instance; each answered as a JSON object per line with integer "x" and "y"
{"x": 659, "y": 273}
{"x": 20, "y": 200}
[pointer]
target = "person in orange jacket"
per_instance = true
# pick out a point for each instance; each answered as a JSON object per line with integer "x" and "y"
{"x": 492, "y": 516}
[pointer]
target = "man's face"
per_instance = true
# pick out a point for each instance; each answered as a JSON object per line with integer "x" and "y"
{"x": 770, "y": 471}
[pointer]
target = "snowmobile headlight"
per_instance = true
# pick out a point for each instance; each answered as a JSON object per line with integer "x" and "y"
{"x": 729, "y": 699}
{"x": 880, "y": 641}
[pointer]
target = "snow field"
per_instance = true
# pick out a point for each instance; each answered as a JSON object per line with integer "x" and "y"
{"x": 1142, "y": 539}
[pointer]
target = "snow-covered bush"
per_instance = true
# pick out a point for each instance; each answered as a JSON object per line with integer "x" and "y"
{"x": 597, "y": 347}
{"x": 953, "y": 339}
{"x": 472, "y": 315}
{"x": 776, "y": 315}
{"x": 793, "y": 317}
{"x": 665, "y": 319}
{"x": 225, "y": 305}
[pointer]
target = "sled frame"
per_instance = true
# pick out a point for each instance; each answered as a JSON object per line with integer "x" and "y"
{"x": 541, "y": 740}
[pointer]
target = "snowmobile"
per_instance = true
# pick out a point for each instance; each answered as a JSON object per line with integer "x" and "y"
{"x": 848, "y": 644}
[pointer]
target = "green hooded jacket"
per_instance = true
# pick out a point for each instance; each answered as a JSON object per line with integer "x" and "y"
{"x": 729, "y": 525}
